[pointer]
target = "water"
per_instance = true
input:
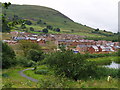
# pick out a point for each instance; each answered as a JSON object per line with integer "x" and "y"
{"x": 113, "y": 65}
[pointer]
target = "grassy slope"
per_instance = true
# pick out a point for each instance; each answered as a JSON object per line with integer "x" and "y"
{"x": 11, "y": 76}
{"x": 51, "y": 17}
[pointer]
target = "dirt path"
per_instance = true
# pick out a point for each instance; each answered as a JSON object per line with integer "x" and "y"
{"x": 23, "y": 75}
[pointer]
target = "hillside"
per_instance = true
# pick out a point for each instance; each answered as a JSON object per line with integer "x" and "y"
{"x": 54, "y": 18}
{"x": 50, "y": 16}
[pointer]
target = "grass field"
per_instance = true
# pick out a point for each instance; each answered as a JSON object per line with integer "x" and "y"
{"x": 105, "y": 60}
{"x": 12, "y": 79}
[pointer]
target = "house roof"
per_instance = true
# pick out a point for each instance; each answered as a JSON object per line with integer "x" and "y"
{"x": 84, "y": 45}
{"x": 40, "y": 39}
{"x": 31, "y": 38}
{"x": 117, "y": 47}
{"x": 9, "y": 41}
{"x": 103, "y": 48}
{"x": 95, "y": 47}
{"x": 19, "y": 38}
{"x": 108, "y": 48}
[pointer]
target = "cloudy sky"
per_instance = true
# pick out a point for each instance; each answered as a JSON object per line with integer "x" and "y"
{"x": 102, "y": 14}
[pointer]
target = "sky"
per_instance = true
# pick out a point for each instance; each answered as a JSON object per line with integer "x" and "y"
{"x": 102, "y": 14}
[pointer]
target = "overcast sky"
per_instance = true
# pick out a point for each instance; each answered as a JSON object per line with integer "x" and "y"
{"x": 102, "y": 14}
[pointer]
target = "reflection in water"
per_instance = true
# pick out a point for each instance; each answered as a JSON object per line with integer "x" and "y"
{"x": 113, "y": 65}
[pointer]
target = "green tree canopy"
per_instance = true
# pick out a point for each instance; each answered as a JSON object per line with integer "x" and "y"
{"x": 8, "y": 56}
{"x": 75, "y": 66}
{"x": 27, "y": 45}
{"x": 35, "y": 55}
{"x": 45, "y": 30}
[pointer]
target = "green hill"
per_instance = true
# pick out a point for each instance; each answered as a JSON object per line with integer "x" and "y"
{"x": 54, "y": 18}
{"x": 48, "y": 15}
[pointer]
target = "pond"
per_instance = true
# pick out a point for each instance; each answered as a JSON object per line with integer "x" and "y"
{"x": 113, "y": 65}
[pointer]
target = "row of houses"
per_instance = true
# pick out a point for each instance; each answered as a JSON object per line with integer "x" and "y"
{"x": 86, "y": 42}
{"x": 95, "y": 49}
{"x": 15, "y": 40}
{"x": 90, "y": 46}
{"x": 47, "y": 36}
{"x": 74, "y": 42}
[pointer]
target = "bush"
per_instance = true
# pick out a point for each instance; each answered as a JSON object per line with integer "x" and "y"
{"x": 31, "y": 63}
{"x": 28, "y": 22}
{"x": 49, "y": 27}
{"x": 75, "y": 66}
{"x": 27, "y": 45}
{"x": 8, "y": 56}
{"x": 45, "y": 30}
{"x": 69, "y": 64}
{"x": 34, "y": 55}
{"x": 31, "y": 29}
{"x": 22, "y": 61}
{"x": 57, "y": 29}
{"x": 8, "y": 85}
{"x": 50, "y": 82}
{"x": 42, "y": 71}
{"x": 105, "y": 72}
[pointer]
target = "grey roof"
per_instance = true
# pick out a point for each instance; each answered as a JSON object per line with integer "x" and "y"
{"x": 84, "y": 45}
{"x": 19, "y": 38}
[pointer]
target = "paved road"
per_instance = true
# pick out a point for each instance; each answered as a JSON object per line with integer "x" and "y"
{"x": 23, "y": 75}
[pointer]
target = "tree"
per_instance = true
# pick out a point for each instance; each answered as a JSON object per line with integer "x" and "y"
{"x": 104, "y": 30}
{"x": 5, "y": 21}
{"x": 31, "y": 29}
{"x": 69, "y": 64}
{"x": 35, "y": 55}
{"x": 97, "y": 29}
{"x": 57, "y": 29}
{"x": 6, "y": 5}
{"x": 23, "y": 26}
{"x": 8, "y": 56}
{"x": 15, "y": 17}
{"x": 28, "y": 22}
{"x": 62, "y": 47}
{"x": 49, "y": 27}
{"x": 44, "y": 23}
{"x": 45, "y": 30}
{"x": 39, "y": 21}
{"x": 27, "y": 45}
{"x": 72, "y": 30}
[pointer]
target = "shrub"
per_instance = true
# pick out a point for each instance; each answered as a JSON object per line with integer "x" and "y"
{"x": 5, "y": 75}
{"x": 50, "y": 82}
{"x": 31, "y": 29}
{"x": 8, "y": 85}
{"x": 49, "y": 27}
{"x": 28, "y": 22}
{"x": 8, "y": 56}
{"x": 105, "y": 72}
{"x": 22, "y": 61}
{"x": 57, "y": 29}
{"x": 23, "y": 26}
{"x": 31, "y": 63}
{"x": 69, "y": 64}
{"x": 34, "y": 55}
{"x": 45, "y": 30}
{"x": 42, "y": 71}
{"x": 27, "y": 45}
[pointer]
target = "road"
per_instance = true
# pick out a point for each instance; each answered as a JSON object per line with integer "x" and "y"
{"x": 23, "y": 75}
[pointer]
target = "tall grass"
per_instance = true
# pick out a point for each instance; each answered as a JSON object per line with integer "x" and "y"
{"x": 105, "y": 60}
